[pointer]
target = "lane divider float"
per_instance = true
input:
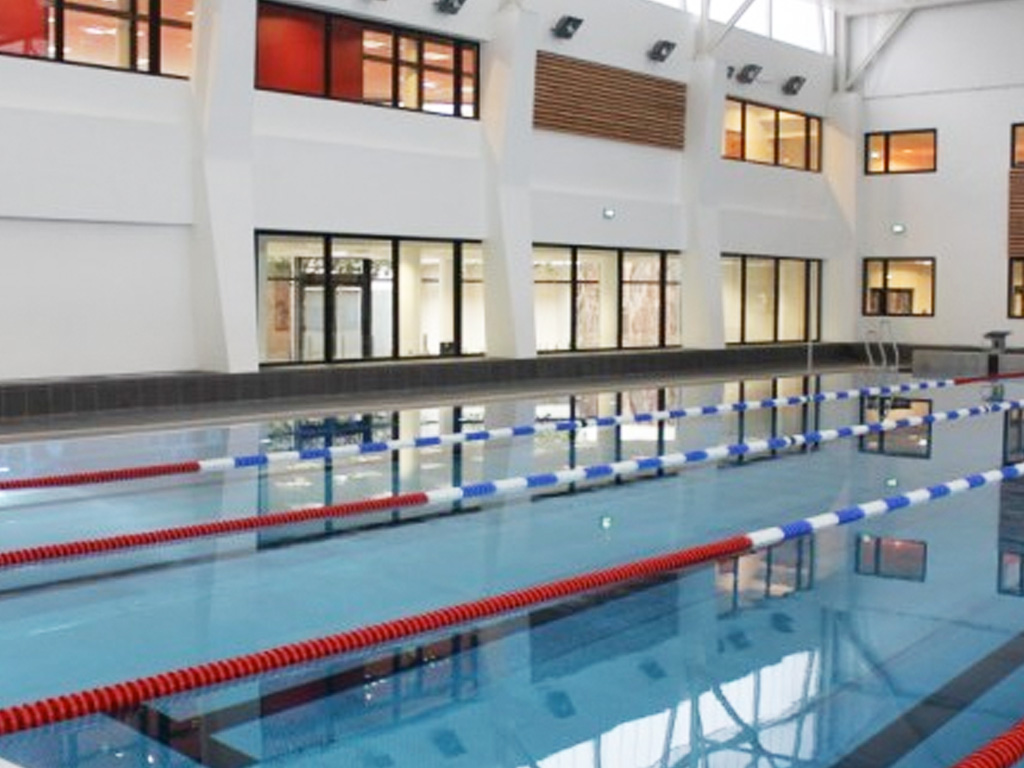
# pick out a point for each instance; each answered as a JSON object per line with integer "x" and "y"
{"x": 124, "y": 695}
{"x": 487, "y": 489}
{"x": 228, "y": 463}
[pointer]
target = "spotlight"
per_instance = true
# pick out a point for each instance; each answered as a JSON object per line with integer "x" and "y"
{"x": 566, "y": 27}
{"x": 661, "y": 50}
{"x": 748, "y": 73}
{"x": 449, "y": 6}
{"x": 793, "y": 85}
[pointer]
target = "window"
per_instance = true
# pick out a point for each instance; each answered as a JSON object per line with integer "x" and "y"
{"x": 891, "y": 558}
{"x": 321, "y": 54}
{"x": 332, "y": 298}
{"x": 897, "y": 287}
{"x": 1018, "y": 145}
{"x": 153, "y": 36}
{"x": 768, "y": 299}
{"x": 1016, "y": 298}
{"x": 762, "y": 134}
{"x": 600, "y": 298}
{"x": 900, "y": 152}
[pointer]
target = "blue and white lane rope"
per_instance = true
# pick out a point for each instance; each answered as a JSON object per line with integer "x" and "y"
{"x": 631, "y": 467}
{"x": 495, "y": 488}
{"x": 227, "y": 463}
{"x": 767, "y": 537}
{"x": 566, "y": 425}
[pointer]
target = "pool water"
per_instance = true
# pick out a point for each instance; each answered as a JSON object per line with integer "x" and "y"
{"x": 895, "y": 641}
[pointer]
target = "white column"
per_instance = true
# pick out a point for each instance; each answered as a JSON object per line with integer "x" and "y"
{"x": 843, "y": 146}
{"x": 508, "y": 129}
{"x": 224, "y": 276}
{"x": 703, "y": 319}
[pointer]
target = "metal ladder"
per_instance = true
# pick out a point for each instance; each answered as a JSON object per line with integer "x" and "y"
{"x": 882, "y": 340}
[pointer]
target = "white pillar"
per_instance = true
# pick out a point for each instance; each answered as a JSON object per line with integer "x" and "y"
{"x": 223, "y": 263}
{"x": 703, "y": 318}
{"x": 508, "y": 130}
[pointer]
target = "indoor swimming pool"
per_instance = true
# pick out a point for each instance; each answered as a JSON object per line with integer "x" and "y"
{"x": 897, "y": 640}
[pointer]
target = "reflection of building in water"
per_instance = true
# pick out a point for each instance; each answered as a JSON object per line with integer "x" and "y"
{"x": 912, "y": 442}
{"x": 1011, "y": 537}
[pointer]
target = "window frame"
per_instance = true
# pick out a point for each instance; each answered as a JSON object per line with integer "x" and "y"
{"x": 884, "y": 303}
{"x": 1014, "y": 261}
{"x": 575, "y": 282}
{"x": 810, "y": 319}
{"x": 420, "y": 37}
{"x": 1016, "y": 138}
{"x": 886, "y": 136}
{"x": 139, "y": 11}
{"x": 812, "y": 154}
{"x": 394, "y": 243}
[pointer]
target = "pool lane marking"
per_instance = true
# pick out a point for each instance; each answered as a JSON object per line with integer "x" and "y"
{"x": 124, "y": 695}
{"x": 228, "y": 463}
{"x": 492, "y": 488}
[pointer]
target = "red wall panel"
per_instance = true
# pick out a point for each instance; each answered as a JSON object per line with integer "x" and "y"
{"x": 290, "y": 54}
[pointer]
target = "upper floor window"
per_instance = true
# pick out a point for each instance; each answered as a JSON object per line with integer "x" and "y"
{"x": 899, "y": 287}
{"x": 1018, "y": 145}
{"x": 1016, "y": 305}
{"x": 900, "y": 152}
{"x": 153, "y": 36}
{"x": 761, "y": 134}
{"x": 322, "y": 54}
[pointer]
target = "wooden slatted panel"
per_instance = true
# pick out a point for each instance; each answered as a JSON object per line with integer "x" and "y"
{"x": 597, "y": 100}
{"x": 1017, "y": 212}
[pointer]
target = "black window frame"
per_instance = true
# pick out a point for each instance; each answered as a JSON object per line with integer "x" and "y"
{"x": 1016, "y": 137}
{"x": 812, "y": 155}
{"x": 459, "y": 47}
{"x": 876, "y": 568}
{"x": 883, "y": 300}
{"x": 395, "y": 242}
{"x": 139, "y": 11}
{"x": 808, "y": 319}
{"x": 887, "y": 136}
{"x": 574, "y": 286}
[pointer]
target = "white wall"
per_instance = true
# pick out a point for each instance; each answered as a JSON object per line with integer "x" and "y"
{"x": 959, "y": 70}
{"x": 95, "y": 206}
{"x": 91, "y": 298}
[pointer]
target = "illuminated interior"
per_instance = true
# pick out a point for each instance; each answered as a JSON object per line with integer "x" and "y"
{"x": 899, "y": 286}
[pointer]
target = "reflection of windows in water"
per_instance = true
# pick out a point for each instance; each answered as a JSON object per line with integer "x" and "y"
{"x": 912, "y": 442}
{"x": 761, "y": 423}
{"x": 1013, "y": 437}
{"x": 1011, "y": 571}
{"x": 743, "y": 582}
{"x": 891, "y": 558}
{"x": 1011, "y": 532}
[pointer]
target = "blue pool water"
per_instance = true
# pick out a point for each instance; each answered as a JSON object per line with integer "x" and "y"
{"x": 897, "y": 641}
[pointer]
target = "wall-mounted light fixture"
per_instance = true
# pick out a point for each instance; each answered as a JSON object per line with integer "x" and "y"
{"x": 898, "y": 228}
{"x": 748, "y": 73}
{"x": 793, "y": 85}
{"x": 449, "y": 6}
{"x": 608, "y": 213}
{"x": 566, "y": 27}
{"x": 661, "y": 50}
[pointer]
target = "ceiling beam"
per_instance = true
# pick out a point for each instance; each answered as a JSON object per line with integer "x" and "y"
{"x": 894, "y": 26}
{"x": 728, "y": 26}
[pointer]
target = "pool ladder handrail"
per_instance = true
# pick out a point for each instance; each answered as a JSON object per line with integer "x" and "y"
{"x": 882, "y": 337}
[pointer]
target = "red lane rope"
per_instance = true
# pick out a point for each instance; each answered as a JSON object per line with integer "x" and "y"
{"x": 120, "y": 696}
{"x": 992, "y": 377}
{"x": 100, "y": 476}
{"x": 1004, "y": 751}
{"x": 235, "y": 525}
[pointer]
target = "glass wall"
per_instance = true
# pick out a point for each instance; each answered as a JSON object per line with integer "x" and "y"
{"x": 899, "y": 287}
{"x": 599, "y": 298}
{"x": 153, "y": 36}
{"x": 762, "y": 134}
{"x": 323, "y": 54}
{"x": 900, "y": 152}
{"x": 326, "y": 298}
{"x": 767, "y": 299}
